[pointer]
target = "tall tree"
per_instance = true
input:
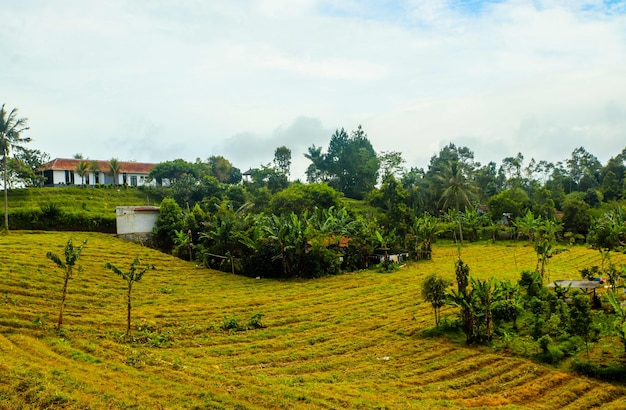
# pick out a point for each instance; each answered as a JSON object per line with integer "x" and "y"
{"x": 582, "y": 164}
{"x": 94, "y": 167}
{"x": 391, "y": 163}
{"x": 451, "y": 175}
{"x": 25, "y": 167}
{"x": 114, "y": 170}
{"x": 512, "y": 166}
{"x": 223, "y": 170}
{"x": 82, "y": 169}
{"x": 173, "y": 170}
{"x": 459, "y": 191}
{"x": 282, "y": 160}
{"x": 421, "y": 193}
{"x": 11, "y": 139}
{"x": 170, "y": 220}
{"x": 317, "y": 169}
{"x": 613, "y": 178}
{"x": 581, "y": 319}
{"x": 393, "y": 199}
{"x": 350, "y": 164}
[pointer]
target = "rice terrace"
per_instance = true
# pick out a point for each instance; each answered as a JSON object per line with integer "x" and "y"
{"x": 357, "y": 340}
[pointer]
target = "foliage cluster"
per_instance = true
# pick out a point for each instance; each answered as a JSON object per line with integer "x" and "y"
{"x": 551, "y": 325}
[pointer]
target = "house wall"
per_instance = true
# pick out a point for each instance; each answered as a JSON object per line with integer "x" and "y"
{"x": 129, "y": 220}
{"x": 59, "y": 178}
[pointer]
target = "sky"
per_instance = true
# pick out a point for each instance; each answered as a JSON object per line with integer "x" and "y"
{"x": 156, "y": 80}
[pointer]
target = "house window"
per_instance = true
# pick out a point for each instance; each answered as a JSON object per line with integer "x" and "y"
{"x": 87, "y": 179}
{"x": 96, "y": 178}
{"x": 69, "y": 177}
{"x": 133, "y": 180}
{"x": 124, "y": 179}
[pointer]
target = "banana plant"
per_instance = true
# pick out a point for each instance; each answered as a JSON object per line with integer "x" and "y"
{"x": 620, "y": 319}
{"x": 71, "y": 256}
{"x": 133, "y": 275}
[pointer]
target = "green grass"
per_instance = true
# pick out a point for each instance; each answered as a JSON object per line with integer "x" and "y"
{"x": 93, "y": 200}
{"x": 73, "y": 208}
{"x": 349, "y": 341}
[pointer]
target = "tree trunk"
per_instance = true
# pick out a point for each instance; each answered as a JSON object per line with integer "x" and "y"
{"x": 6, "y": 193}
{"x": 130, "y": 286}
{"x": 60, "y": 322}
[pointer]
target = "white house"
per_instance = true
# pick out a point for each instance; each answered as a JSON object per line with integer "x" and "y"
{"x": 62, "y": 171}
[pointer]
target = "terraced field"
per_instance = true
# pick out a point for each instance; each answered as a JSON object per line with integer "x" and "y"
{"x": 351, "y": 341}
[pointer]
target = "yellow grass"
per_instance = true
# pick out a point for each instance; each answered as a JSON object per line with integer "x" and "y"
{"x": 351, "y": 341}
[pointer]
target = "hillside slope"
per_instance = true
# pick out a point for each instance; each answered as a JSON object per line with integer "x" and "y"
{"x": 351, "y": 341}
{"x": 73, "y": 208}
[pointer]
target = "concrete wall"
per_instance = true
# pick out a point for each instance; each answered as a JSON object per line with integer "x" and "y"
{"x": 135, "y": 219}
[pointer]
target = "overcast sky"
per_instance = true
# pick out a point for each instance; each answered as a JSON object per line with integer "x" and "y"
{"x": 156, "y": 80}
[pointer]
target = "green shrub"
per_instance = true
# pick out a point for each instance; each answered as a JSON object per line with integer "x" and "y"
{"x": 611, "y": 372}
{"x": 255, "y": 321}
{"x": 549, "y": 354}
{"x": 231, "y": 324}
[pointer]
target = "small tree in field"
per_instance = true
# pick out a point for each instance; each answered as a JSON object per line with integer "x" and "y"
{"x": 71, "y": 256}
{"x": 434, "y": 291}
{"x": 463, "y": 299}
{"x": 581, "y": 320}
{"x": 132, "y": 276}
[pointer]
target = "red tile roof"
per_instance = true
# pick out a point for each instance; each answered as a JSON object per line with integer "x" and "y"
{"x": 72, "y": 164}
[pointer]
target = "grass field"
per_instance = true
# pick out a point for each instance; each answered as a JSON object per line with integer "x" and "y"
{"x": 350, "y": 341}
{"x": 76, "y": 198}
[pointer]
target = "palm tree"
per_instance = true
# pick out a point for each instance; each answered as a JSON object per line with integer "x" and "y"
{"x": 459, "y": 190}
{"x": 10, "y": 139}
{"x": 95, "y": 168}
{"x": 114, "y": 169}
{"x": 82, "y": 169}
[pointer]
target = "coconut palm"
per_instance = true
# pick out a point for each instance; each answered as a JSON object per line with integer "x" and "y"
{"x": 459, "y": 191}
{"x": 94, "y": 167}
{"x": 82, "y": 169}
{"x": 114, "y": 170}
{"x": 11, "y": 139}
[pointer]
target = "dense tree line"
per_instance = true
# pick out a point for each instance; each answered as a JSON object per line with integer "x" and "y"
{"x": 270, "y": 226}
{"x": 215, "y": 209}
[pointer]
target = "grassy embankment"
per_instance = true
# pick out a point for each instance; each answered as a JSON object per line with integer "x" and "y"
{"x": 72, "y": 208}
{"x": 351, "y": 341}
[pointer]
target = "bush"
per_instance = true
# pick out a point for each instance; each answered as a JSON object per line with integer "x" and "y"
{"x": 231, "y": 324}
{"x": 52, "y": 217}
{"x": 549, "y": 354}
{"x": 255, "y": 321}
{"x": 612, "y": 372}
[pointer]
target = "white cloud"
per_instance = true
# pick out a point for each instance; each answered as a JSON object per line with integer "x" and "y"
{"x": 154, "y": 81}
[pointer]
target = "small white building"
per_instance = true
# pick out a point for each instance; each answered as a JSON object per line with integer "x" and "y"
{"x": 136, "y": 222}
